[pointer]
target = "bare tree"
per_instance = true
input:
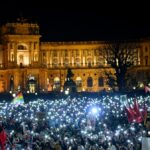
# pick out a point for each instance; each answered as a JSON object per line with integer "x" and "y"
{"x": 120, "y": 55}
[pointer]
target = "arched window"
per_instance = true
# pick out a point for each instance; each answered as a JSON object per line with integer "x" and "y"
{"x": 89, "y": 82}
{"x": 21, "y": 47}
{"x": 89, "y": 62}
{"x": 100, "y": 81}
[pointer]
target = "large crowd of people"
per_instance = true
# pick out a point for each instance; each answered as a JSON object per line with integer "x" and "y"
{"x": 72, "y": 123}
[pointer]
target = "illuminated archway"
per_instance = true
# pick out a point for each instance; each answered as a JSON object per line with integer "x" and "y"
{"x": 56, "y": 86}
{"x": 31, "y": 84}
{"x": 22, "y": 54}
{"x": 79, "y": 84}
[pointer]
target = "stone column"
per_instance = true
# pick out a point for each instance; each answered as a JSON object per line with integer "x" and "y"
{"x": 32, "y": 52}
{"x": 83, "y": 58}
{"x": 48, "y": 58}
{"x": 15, "y": 52}
{"x": 69, "y": 57}
{"x": 8, "y": 52}
{"x": 50, "y": 55}
{"x": 94, "y": 60}
{"x": 62, "y": 54}
{"x": 138, "y": 53}
{"x": 30, "y": 47}
{"x": 72, "y": 57}
{"x": 59, "y": 57}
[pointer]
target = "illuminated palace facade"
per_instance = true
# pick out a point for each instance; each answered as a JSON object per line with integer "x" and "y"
{"x": 31, "y": 65}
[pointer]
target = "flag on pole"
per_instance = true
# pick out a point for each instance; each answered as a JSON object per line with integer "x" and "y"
{"x": 128, "y": 110}
{"x": 19, "y": 98}
{"x": 130, "y": 114}
{"x": 137, "y": 114}
{"x": 134, "y": 114}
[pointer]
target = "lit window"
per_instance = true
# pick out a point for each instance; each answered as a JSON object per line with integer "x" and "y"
{"x": 22, "y": 47}
{"x": 35, "y": 57}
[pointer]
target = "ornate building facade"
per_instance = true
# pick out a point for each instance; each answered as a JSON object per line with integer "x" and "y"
{"x": 29, "y": 64}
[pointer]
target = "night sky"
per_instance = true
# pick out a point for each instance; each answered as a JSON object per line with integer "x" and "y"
{"x": 76, "y": 22}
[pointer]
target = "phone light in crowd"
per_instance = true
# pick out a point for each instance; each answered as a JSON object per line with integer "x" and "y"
{"x": 46, "y": 136}
{"x": 11, "y": 133}
{"x": 94, "y": 110}
{"x": 129, "y": 141}
{"x": 134, "y": 87}
{"x": 67, "y": 91}
{"x": 14, "y": 95}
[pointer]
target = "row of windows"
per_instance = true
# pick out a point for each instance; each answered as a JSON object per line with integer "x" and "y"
{"x": 90, "y": 82}
{"x": 21, "y": 57}
{"x": 73, "y": 53}
{"x": 57, "y": 82}
{"x": 79, "y": 81}
{"x": 87, "y": 64}
{"x": 76, "y": 59}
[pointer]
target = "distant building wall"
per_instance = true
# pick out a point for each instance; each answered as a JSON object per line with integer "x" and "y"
{"x": 32, "y": 65}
